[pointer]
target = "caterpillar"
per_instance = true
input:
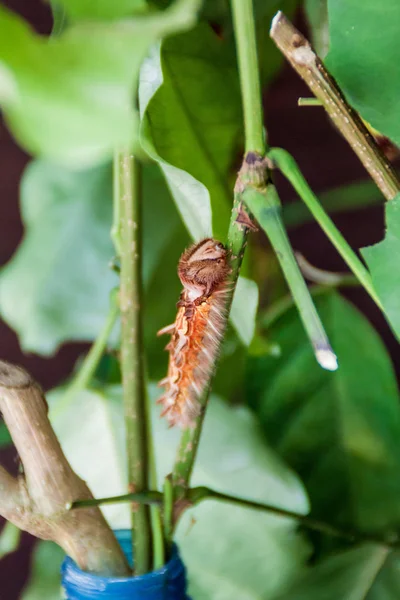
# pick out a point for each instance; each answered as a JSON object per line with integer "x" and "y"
{"x": 197, "y": 331}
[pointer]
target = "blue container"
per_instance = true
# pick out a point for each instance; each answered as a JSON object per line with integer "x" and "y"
{"x": 168, "y": 583}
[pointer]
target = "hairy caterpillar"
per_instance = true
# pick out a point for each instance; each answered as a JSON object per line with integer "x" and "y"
{"x": 196, "y": 334}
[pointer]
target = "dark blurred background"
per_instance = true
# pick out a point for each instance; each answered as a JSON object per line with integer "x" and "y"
{"x": 326, "y": 161}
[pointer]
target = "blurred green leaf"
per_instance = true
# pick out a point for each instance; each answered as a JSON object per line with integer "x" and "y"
{"x": 267, "y": 550}
{"x": 363, "y": 58}
{"x": 45, "y": 580}
{"x": 9, "y": 539}
{"x": 365, "y": 573}
{"x": 103, "y": 9}
{"x": 340, "y": 431}
{"x": 71, "y": 98}
{"x": 382, "y": 260}
{"x": 57, "y": 285}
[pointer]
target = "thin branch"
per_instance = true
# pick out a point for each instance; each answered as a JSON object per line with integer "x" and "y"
{"x": 37, "y": 501}
{"x": 303, "y": 59}
{"x": 199, "y": 494}
{"x": 132, "y": 360}
{"x": 146, "y": 497}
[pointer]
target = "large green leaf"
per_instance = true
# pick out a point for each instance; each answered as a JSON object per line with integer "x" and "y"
{"x": 228, "y": 548}
{"x": 365, "y": 573}
{"x": 363, "y": 58}
{"x": 57, "y": 285}
{"x": 45, "y": 580}
{"x": 70, "y": 98}
{"x": 340, "y": 431}
{"x": 190, "y": 97}
{"x": 383, "y": 259}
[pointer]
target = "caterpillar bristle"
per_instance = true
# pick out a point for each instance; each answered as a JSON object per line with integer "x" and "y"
{"x": 168, "y": 329}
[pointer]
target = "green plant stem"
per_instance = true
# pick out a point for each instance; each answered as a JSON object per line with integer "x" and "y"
{"x": 265, "y": 206}
{"x": 199, "y": 494}
{"x": 286, "y": 163}
{"x": 115, "y": 232}
{"x": 148, "y": 497}
{"x": 129, "y": 198}
{"x": 89, "y": 365}
{"x": 246, "y": 47}
{"x": 309, "y": 102}
{"x": 155, "y": 511}
{"x": 237, "y": 233}
{"x": 168, "y": 509}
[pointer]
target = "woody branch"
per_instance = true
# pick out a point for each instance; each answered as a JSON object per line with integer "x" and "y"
{"x": 37, "y": 501}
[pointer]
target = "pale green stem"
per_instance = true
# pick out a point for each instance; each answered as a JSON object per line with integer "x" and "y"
{"x": 155, "y": 510}
{"x": 246, "y": 48}
{"x": 132, "y": 350}
{"x": 265, "y": 206}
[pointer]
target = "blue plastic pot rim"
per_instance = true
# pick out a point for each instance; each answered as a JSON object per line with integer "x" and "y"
{"x": 167, "y": 582}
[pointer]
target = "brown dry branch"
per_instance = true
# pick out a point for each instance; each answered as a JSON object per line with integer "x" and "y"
{"x": 298, "y": 51}
{"x": 38, "y": 500}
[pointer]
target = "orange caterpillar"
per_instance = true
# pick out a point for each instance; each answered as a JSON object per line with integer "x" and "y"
{"x": 196, "y": 334}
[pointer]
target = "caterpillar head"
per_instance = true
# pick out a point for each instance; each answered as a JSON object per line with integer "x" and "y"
{"x": 203, "y": 267}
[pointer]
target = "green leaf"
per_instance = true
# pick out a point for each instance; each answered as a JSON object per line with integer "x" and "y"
{"x": 365, "y": 573}
{"x": 44, "y": 582}
{"x": 340, "y": 431}
{"x": 9, "y": 539}
{"x": 103, "y": 9}
{"x": 382, "y": 260}
{"x": 267, "y": 550}
{"x": 62, "y": 262}
{"x": 244, "y": 309}
{"x": 56, "y": 287}
{"x": 363, "y": 58}
{"x": 71, "y": 98}
{"x": 192, "y": 122}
